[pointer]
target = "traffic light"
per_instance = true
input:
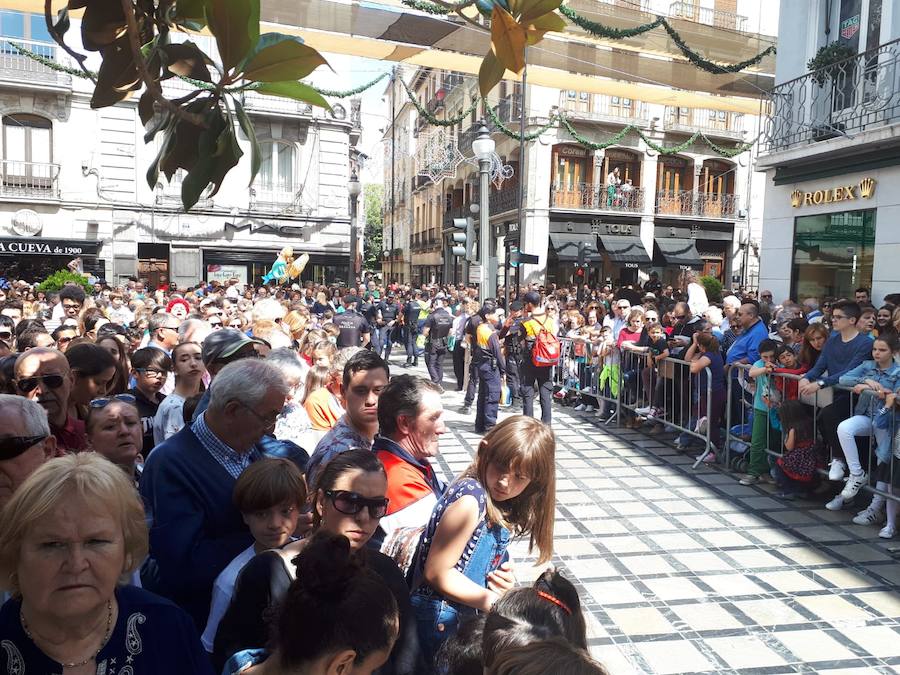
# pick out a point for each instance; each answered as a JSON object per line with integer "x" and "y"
{"x": 464, "y": 237}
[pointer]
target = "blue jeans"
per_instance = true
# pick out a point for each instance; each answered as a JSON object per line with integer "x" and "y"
{"x": 384, "y": 341}
{"x": 437, "y": 618}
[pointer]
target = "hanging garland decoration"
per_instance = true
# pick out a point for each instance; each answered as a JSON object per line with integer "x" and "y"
{"x": 514, "y": 135}
{"x": 50, "y": 63}
{"x": 430, "y": 118}
{"x": 427, "y": 7}
{"x": 352, "y": 92}
{"x": 602, "y": 31}
{"x": 711, "y": 66}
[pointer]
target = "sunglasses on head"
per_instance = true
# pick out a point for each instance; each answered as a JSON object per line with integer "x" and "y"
{"x": 13, "y": 446}
{"x": 106, "y": 400}
{"x": 27, "y": 384}
{"x": 351, "y": 503}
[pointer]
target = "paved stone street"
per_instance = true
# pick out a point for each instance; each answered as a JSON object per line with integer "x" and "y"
{"x": 684, "y": 571}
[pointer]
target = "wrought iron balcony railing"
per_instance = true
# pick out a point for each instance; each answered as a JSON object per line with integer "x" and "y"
{"x": 703, "y": 204}
{"x": 34, "y": 180}
{"x": 276, "y": 104}
{"x": 715, "y": 123}
{"x": 603, "y": 108}
{"x": 707, "y": 15}
{"x": 15, "y": 66}
{"x": 275, "y": 197}
{"x": 597, "y": 198}
{"x": 859, "y": 93}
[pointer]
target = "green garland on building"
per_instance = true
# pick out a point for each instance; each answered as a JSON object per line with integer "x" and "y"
{"x": 431, "y": 118}
{"x": 712, "y": 66}
{"x": 427, "y": 7}
{"x": 515, "y": 135}
{"x": 602, "y": 31}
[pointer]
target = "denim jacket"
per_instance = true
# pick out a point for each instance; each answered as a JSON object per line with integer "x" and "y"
{"x": 887, "y": 419}
{"x": 867, "y": 404}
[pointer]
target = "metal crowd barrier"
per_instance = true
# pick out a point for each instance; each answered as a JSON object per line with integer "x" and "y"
{"x": 629, "y": 387}
{"x": 739, "y": 414}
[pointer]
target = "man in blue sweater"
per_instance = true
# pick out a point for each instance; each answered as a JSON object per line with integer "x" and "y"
{"x": 195, "y": 529}
{"x": 845, "y": 349}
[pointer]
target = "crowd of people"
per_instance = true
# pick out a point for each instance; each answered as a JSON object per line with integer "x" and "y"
{"x": 231, "y": 479}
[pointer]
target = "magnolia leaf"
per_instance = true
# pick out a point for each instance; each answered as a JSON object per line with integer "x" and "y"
{"x": 532, "y": 9}
{"x": 186, "y": 59}
{"x": 199, "y": 175}
{"x": 250, "y": 133}
{"x": 228, "y": 154}
{"x": 490, "y": 73}
{"x": 508, "y": 40}
{"x": 102, "y": 24}
{"x": 117, "y": 77}
{"x": 158, "y": 123}
{"x": 182, "y": 151}
{"x": 153, "y": 170}
{"x": 146, "y": 109}
{"x": 190, "y": 13}
{"x": 295, "y": 90}
{"x": 547, "y": 22}
{"x": 235, "y": 25}
{"x": 62, "y": 23}
{"x": 279, "y": 58}
{"x": 77, "y": 4}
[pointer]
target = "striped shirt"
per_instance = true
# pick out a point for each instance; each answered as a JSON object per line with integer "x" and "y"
{"x": 232, "y": 461}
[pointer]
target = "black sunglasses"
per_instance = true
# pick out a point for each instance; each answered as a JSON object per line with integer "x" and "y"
{"x": 13, "y": 446}
{"x": 5, "y": 334}
{"x": 351, "y": 503}
{"x": 105, "y": 401}
{"x": 27, "y": 384}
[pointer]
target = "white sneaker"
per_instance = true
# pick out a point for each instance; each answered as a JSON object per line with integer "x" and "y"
{"x": 837, "y": 469}
{"x": 835, "y": 504}
{"x": 579, "y": 407}
{"x": 589, "y": 408}
{"x": 702, "y": 423}
{"x": 887, "y": 532}
{"x": 643, "y": 411}
{"x": 853, "y": 486}
{"x": 869, "y": 516}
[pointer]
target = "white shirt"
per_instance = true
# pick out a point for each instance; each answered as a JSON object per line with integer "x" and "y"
{"x": 223, "y": 589}
{"x": 169, "y": 418}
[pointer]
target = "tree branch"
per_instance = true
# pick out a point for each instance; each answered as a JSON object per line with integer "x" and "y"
{"x": 152, "y": 84}
{"x": 58, "y": 39}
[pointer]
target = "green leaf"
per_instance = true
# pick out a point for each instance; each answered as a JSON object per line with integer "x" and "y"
{"x": 182, "y": 152}
{"x": 295, "y": 90}
{"x": 280, "y": 57}
{"x": 235, "y": 25}
{"x": 190, "y": 12}
{"x": 532, "y": 9}
{"x": 153, "y": 170}
{"x": 490, "y": 73}
{"x": 161, "y": 122}
{"x": 102, "y": 24}
{"x": 547, "y": 22}
{"x": 117, "y": 77}
{"x": 219, "y": 152}
{"x": 186, "y": 59}
{"x": 250, "y": 133}
{"x": 508, "y": 40}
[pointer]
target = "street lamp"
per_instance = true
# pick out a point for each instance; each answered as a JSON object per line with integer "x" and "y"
{"x": 353, "y": 189}
{"x": 483, "y": 147}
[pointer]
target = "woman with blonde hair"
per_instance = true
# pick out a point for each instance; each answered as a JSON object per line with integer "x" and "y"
{"x": 81, "y": 512}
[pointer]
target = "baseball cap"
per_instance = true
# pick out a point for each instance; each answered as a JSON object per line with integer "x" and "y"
{"x": 220, "y": 344}
{"x": 516, "y": 305}
{"x": 532, "y": 298}
{"x": 350, "y": 300}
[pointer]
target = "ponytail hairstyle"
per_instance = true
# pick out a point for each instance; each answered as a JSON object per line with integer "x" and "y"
{"x": 334, "y": 604}
{"x": 526, "y": 446}
{"x": 794, "y": 415}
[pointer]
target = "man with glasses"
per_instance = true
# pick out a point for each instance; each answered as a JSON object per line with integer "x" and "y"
{"x": 71, "y": 300}
{"x": 845, "y": 349}
{"x": 25, "y": 442}
{"x": 62, "y": 336}
{"x": 187, "y": 485}
{"x": 220, "y": 348}
{"x": 42, "y": 375}
{"x": 163, "y": 329}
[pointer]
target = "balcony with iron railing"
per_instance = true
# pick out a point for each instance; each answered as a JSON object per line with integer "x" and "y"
{"x": 261, "y": 103}
{"x": 860, "y": 93}
{"x": 602, "y": 108}
{"x": 29, "y": 180}
{"x": 701, "y": 204}
{"x": 16, "y": 68}
{"x": 509, "y": 108}
{"x": 692, "y": 11}
{"x": 713, "y": 123}
{"x": 588, "y": 197}
{"x": 275, "y": 197}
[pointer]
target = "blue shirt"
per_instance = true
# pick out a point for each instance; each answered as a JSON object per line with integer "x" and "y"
{"x": 232, "y": 461}
{"x": 838, "y": 357}
{"x": 867, "y": 403}
{"x": 746, "y": 345}
{"x": 340, "y": 438}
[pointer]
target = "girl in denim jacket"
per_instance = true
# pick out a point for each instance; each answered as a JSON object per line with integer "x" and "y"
{"x": 872, "y": 381}
{"x": 887, "y": 474}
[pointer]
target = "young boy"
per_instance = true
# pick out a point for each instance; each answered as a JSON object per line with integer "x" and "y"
{"x": 762, "y": 431}
{"x": 270, "y": 494}
{"x": 149, "y": 367}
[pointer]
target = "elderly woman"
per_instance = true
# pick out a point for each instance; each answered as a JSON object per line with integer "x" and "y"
{"x": 114, "y": 430}
{"x": 71, "y": 533}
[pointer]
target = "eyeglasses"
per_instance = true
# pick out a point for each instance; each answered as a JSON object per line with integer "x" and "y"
{"x": 67, "y": 306}
{"x": 215, "y": 324}
{"x": 13, "y": 446}
{"x": 350, "y": 503}
{"x": 268, "y": 420}
{"x": 623, "y": 306}
{"x": 175, "y": 328}
{"x": 151, "y": 372}
{"x": 27, "y": 384}
{"x": 766, "y": 297}
{"x": 105, "y": 401}
{"x": 652, "y": 318}
{"x": 60, "y": 340}
{"x": 5, "y": 334}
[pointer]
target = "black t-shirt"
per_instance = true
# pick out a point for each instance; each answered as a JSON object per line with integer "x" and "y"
{"x": 389, "y": 311}
{"x": 353, "y": 326}
{"x": 513, "y": 337}
{"x": 439, "y": 323}
{"x": 147, "y": 410}
{"x": 369, "y": 310}
{"x": 472, "y": 325}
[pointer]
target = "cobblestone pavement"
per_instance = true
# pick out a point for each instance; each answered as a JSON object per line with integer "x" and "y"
{"x": 684, "y": 571}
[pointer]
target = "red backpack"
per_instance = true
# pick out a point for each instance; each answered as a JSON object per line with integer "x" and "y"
{"x": 545, "y": 352}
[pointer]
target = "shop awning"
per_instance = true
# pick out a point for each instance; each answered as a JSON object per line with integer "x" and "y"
{"x": 566, "y": 246}
{"x": 679, "y": 252}
{"x": 622, "y": 249}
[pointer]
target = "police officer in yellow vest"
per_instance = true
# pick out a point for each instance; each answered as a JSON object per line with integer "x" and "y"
{"x": 487, "y": 358}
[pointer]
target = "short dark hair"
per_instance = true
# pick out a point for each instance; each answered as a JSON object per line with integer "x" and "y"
{"x": 88, "y": 359}
{"x": 364, "y": 359}
{"x": 851, "y": 309}
{"x": 269, "y": 482}
{"x": 72, "y": 292}
{"x": 768, "y": 345}
{"x": 402, "y": 396}
{"x": 61, "y": 328}
{"x": 151, "y": 357}
{"x": 12, "y": 303}
{"x": 532, "y": 298}
{"x": 28, "y": 338}
{"x": 799, "y": 323}
{"x": 861, "y": 289}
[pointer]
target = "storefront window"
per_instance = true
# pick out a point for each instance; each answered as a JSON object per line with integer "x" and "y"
{"x": 833, "y": 254}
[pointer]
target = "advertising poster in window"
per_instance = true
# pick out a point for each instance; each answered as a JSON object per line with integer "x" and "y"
{"x": 225, "y": 272}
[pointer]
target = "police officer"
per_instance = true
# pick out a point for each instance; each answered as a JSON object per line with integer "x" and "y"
{"x": 512, "y": 336}
{"x": 436, "y": 331}
{"x": 411, "y": 321}
{"x": 369, "y": 311}
{"x": 385, "y": 319}
{"x": 488, "y": 359}
{"x": 472, "y": 383}
{"x": 354, "y": 328}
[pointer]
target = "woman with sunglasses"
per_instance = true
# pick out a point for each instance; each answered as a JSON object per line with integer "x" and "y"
{"x": 348, "y": 500}
{"x": 114, "y": 430}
